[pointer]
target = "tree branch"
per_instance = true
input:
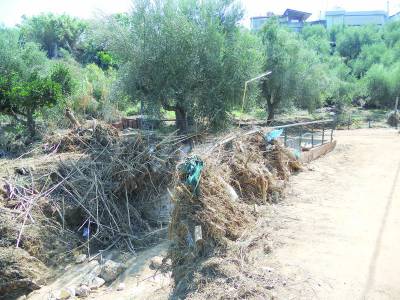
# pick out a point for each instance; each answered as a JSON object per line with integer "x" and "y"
{"x": 18, "y": 119}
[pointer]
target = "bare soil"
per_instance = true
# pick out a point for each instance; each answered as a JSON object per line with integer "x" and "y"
{"x": 337, "y": 233}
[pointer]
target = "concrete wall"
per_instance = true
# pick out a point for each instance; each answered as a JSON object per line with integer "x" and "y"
{"x": 257, "y": 23}
{"x": 313, "y": 154}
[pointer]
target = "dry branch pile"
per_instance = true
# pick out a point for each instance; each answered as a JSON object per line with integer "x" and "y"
{"x": 238, "y": 173}
{"x": 119, "y": 184}
{"x": 30, "y": 235}
{"x": 113, "y": 192}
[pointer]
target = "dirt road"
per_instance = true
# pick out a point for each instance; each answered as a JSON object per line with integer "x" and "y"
{"x": 338, "y": 231}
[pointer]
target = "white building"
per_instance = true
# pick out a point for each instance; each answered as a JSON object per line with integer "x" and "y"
{"x": 355, "y": 18}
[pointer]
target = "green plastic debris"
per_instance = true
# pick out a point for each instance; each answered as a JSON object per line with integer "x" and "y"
{"x": 192, "y": 169}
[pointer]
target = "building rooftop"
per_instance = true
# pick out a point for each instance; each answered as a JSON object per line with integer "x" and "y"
{"x": 296, "y": 14}
{"x": 395, "y": 15}
{"x": 356, "y": 13}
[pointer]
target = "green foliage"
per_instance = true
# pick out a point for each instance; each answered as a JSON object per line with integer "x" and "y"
{"x": 370, "y": 54}
{"x": 391, "y": 33}
{"x": 62, "y": 75}
{"x": 190, "y": 59}
{"x": 351, "y": 40}
{"x": 298, "y": 78}
{"x": 105, "y": 60}
{"x": 316, "y": 37}
{"x": 379, "y": 86}
{"x": 53, "y": 32}
{"x": 25, "y": 83}
{"x": 184, "y": 56}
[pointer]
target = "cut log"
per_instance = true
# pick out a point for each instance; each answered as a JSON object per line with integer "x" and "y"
{"x": 70, "y": 115}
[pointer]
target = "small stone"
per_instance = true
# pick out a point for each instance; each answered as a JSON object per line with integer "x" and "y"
{"x": 121, "y": 286}
{"x": 93, "y": 263}
{"x": 268, "y": 246}
{"x": 95, "y": 268}
{"x": 156, "y": 262}
{"x": 22, "y": 171}
{"x": 96, "y": 283}
{"x": 270, "y": 286}
{"x": 268, "y": 269}
{"x": 80, "y": 258}
{"x": 62, "y": 294}
{"x": 83, "y": 291}
{"x": 72, "y": 291}
{"x": 110, "y": 270}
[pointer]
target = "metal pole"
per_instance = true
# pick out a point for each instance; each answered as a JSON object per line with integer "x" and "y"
{"x": 312, "y": 137}
{"x": 285, "y": 139}
{"x": 332, "y": 133}
{"x": 245, "y": 89}
{"x": 323, "y": 134}
{"x": 301, "y": 133}
{"x": 348, "y": 123}
{"x": 395, "y": 111}
{"x": 251, "y": 80}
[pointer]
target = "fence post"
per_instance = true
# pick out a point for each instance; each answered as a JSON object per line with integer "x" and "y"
{"x": 312, "y": 137}
{"x": 333, "y": 126}
{"x": 395, "y": 111}
{"x": 285, "y": 138}
{"x": 301, "y": 135}
{"x": 323, "y": 134}
{"x": 348, "y": 123}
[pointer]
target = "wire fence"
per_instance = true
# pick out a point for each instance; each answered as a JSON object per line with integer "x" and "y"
{"x": 307, "y": 135}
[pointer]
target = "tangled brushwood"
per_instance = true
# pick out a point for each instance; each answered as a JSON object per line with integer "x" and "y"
{"x": 240, "y": 171}
{"x": 120, "y": 185}
{"x": 108, "y": 190}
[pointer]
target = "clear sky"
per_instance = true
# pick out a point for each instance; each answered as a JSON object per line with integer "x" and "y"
{"x": 12, "y": 10}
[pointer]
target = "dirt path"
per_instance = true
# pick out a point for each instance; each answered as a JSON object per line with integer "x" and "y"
{"x": 338, "y": 232}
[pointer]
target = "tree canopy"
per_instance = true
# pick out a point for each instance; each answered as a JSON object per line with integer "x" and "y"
{"x": 26, "y": 84}
{"x": 192, "y": 58}
{"x": 53, "y": 32}
{"x": 189, "y": 57}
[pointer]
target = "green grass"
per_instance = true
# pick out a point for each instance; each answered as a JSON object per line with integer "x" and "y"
{"x": 168, "y": 114}
{"x": 257, "y": 113}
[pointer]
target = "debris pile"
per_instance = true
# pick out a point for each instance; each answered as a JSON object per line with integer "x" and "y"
{"x": 97, "y": 199}
{"x": 117, "y": 183}
{"x": 239, "y": 172}
{"x": 84, "y": 138}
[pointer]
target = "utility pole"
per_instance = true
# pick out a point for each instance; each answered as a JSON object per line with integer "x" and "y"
{"x": 387, "y": 8}
{"x": 395, "y": 111}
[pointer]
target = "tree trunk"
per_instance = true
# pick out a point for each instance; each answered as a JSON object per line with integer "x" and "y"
{"x": 271, "y": 109}
{"x": 181, "y": 120}
{"x": 30, "y": 122}
{"x": 70, "y": 115}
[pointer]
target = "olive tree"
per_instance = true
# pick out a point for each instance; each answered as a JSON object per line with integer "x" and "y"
{"x": 25, "y": 83}
{"x": 297, "y": 76}
{"x": 188, "y": 57}
{"x": 53, "y": 32}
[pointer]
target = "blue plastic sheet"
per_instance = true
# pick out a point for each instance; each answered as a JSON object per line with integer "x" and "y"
{"x": 274, "y": 134}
